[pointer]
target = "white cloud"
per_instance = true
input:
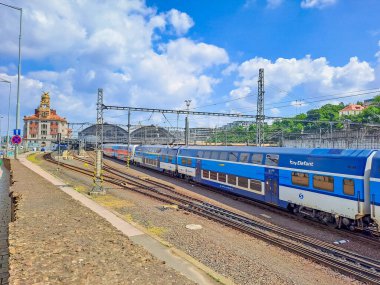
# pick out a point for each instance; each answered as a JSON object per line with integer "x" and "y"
{"x": 180, "y": 21}
{"x": 275, "y": 111}
{"x": 230, "y": 69}
{"x": 314, "y": 76}
{"x": 82, "y": 45}
{"x": 249, "y": 3}
{"x": 307, "y": 4}
{"x": 274, "y": 3}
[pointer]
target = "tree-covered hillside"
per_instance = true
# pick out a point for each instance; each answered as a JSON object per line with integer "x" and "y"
{"x": 326, "y": 117}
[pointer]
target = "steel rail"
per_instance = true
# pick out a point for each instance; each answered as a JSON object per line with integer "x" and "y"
{"x": 361, "y": 267}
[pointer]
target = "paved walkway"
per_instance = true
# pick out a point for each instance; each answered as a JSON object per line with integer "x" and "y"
{"x": 5, "y": 216}
{"x": 83, "y": 240}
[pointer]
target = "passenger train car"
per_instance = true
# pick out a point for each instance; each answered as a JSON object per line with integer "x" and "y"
{"x": 375, "y": 189}
{"x": 119, "y": 151}
{"x": 332, "y": 185}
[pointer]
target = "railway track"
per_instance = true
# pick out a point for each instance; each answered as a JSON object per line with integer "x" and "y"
{"x": 365, "y": 237}
{"x": 360, "y": 267}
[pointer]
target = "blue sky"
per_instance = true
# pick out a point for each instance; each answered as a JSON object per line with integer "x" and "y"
{"x": 158, "y": 53}
{"x": 252, "y": 28}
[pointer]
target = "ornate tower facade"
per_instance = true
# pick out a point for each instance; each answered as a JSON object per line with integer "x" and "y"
{"x": 44, "y": 108}
{"x": 41, "y": 129}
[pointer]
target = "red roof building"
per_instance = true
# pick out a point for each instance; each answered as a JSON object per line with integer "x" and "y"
{"x": 43, "y": 127}
{"x": 351, "y": 109}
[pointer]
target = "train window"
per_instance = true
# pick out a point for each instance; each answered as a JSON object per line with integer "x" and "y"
{"x": 231, "y": 179}
{"x": 214, "y": 155}
{"x": 257, "y": 158}
{"x": 348, "y": 186}
{"x": 222, "y": 177}
{"x": 244, "y": 157}
{"x": 272, "y": 159}
{"x": 243, "y": 182}
{"x": 163, "y": 157}
{"x": 200, "y": 153}
{"x": 189, "y": 161}
{"x": 233, "y": 156}
{"x": 255, "y": 185}
{"x": 301, "y": 179}
{"x": 223, "y": 155}
{"x": 213, "y": 175}
{"x": 184, "y": 161}
{"x": 323, "y": 182}
{"x": 207, "y": 154}
{"x": 206, "y": 174}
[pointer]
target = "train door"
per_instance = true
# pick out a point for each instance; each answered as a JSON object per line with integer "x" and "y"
{"x": 198, "y": 169}
{"x": 271, "y": 186}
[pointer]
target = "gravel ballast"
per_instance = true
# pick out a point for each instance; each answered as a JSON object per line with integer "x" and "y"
{"x": 244, "y": 259}
{"x": 55, "y": 240}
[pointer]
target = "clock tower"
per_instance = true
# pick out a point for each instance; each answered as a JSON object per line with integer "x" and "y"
{"x": 44, "y": 109}
{"x": 42, "y": 129}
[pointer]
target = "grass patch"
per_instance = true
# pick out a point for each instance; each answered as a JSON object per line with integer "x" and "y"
{"x": 158, "y": 231}
{"x": 81, "y": 189}
{"x": 112, "y": 202}
{"x": 33, "y": 158}
{"x": 128, "y": 217}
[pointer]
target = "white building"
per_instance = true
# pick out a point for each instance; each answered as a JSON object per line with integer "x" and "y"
{"x": 351, "y": 109}
{"x": 42, "y": 128}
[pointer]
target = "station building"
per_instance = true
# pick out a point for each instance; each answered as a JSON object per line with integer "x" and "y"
{"x": 42, "y": 128}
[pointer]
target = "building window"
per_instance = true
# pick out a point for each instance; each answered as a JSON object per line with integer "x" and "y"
{"x": 301, "y": 179}
{"x": 232, "y": 179}
{"x": 43, "y": 132}
{"x": 223, "y": 155}
{"x": 222, "y": 177}
{"x": 207, "y": 154}
{"x": 272, "y": 159}
{"x": 255, "y": 185}
{"x": 206, "y": 174}
{"x": 243, "y": 182}
{"x": 233, "y": 156}
{"x": 348, "y": 187}
{"x": 257, "y": 158}
{"x": 244, "y": 157}
{"x": 213, "y": 175}
{"x": 215, "y": 155}
{"x": 44, "y": 127}
{"x": 323, "y": 182}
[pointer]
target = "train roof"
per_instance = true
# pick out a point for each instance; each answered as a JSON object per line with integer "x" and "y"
{"x": 343, "y": 161}
{"x": 332, "y": 152}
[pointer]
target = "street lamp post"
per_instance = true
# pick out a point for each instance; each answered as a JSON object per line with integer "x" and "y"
{"x": 9, "y": 107}
{"x": 187, "y": 130}
{"x": 18, "y": 72}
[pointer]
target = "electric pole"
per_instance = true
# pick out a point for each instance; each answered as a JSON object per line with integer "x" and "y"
{"x": 187, "y": 130}
{"x": 98, "y": 179}
{"x": 260, "y": 117}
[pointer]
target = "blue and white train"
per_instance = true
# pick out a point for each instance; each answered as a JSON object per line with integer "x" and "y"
{"x": 333, "y": 185}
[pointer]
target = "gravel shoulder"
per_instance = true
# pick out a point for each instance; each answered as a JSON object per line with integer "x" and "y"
{"x": 242, "y": 258}
{"x": 56, "y": 240}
